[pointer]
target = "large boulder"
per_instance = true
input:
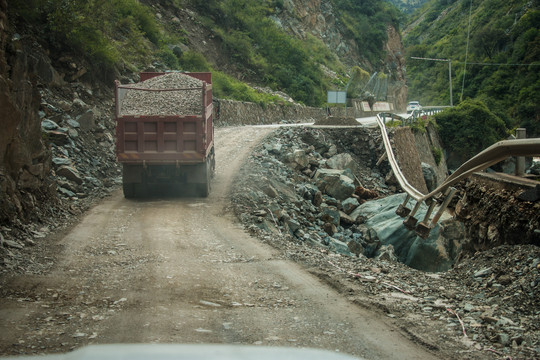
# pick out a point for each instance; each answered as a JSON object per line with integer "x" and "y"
{"x": 334, "y": 183}
{"x": 330, "y": 214}
{"x": 300, "y": 158}
{"x": 342, "y": 162}
{"x": 436, "y": 253}
{"x": 430, "y": 176}
{"x": 349, "y": 205}
{"x": 342, "y": 189}
{"x": 69, "y": 173}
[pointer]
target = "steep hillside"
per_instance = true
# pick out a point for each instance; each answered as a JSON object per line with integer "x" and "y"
{"x": 408, "y": 6}
{"x": 58, "y": 60}
{"x": 501, "y": 67}
{"x": 301, "y": 47}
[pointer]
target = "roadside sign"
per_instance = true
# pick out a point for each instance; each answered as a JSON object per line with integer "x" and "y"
{"x": 337, "y": 97}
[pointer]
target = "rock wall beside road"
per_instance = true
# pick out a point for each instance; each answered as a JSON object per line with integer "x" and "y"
{"x": 494, "y": 214}
{"x": 24, "y": 159}
{"x": 426, "y": 142}
{"x": 230, "y": 113}
{"x": 408, "y": 157}
{"x": 233, "y": 113}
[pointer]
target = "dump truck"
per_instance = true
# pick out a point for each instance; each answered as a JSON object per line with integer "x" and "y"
{"x": 165, "y": 133}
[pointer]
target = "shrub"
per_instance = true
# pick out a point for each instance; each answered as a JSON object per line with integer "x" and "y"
{"x": 469, "y": 128}
{"x": 169, "y": 59}
{"x": 193, "y": 61}
{"x": 437, "y": 154}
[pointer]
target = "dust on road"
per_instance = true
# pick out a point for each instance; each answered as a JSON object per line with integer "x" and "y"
{"x": 182, "y": 270}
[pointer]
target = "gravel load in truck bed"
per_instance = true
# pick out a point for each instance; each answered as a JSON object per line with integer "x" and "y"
{"x": 181, "y": 102}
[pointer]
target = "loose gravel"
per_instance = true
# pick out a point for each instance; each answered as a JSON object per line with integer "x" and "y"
{"x": 181, "y": 102}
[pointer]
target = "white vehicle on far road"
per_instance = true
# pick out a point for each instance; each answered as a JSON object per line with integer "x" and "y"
{"x": 412, "y": 106}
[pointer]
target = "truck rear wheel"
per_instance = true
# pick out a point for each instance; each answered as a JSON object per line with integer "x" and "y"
{"x": 134, "y": 181}
{"x": 135, "y": 190}
{"x": 203, "y": 189}
{"x": 129, "y": 190}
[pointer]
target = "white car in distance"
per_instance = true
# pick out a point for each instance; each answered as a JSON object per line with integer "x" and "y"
{"x": 412, "y": 106}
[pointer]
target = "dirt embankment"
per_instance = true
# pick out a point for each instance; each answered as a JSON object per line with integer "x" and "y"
{"x": 496, "y": 211}
{"x": 487, "y": 304}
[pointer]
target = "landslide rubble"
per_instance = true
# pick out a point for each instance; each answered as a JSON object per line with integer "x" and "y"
{"x": 485, "y": 307}
{"x": 78, "y": 131}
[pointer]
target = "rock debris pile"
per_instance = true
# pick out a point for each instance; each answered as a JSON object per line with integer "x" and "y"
{"x": 184, "y": 101}
{"x": 83, "y": 168}
{"x": 302, "y": 192}
{"x": 310, "y": 191}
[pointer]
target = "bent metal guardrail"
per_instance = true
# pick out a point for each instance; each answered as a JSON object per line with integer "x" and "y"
{"x": 488, "y": 157}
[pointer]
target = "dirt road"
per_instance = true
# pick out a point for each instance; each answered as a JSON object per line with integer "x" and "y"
{"x": 181, "y": 270}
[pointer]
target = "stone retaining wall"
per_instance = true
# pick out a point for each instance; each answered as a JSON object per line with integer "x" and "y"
{"x": 408, "y": 157}
{"x": 425, "y": 143}
{"x": 411, "y": 149}
{"x": 230, "y": 112}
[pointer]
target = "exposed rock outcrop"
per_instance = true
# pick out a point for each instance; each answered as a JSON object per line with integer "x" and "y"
{"x": 495, "y": 214}
{"x": 24, "y": 159}
{"x": 317, "y": 18}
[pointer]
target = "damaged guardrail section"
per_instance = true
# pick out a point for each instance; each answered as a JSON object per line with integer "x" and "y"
{"x": 488, "y": 157}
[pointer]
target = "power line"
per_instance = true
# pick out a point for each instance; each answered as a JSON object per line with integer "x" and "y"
{"x": 423, "y": 58}
{"x": 474, "y": 63}
{"x": 466, "y": 53}
{"x": 498, "y": 64}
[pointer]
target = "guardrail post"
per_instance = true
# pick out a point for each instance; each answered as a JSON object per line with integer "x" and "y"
{"x": 410, "y": 221}
{"x": 402, "y": 209}
{"x": 423, "y": 228}
{"x": 443, "y": 207}
{"x": 521, "y": 133}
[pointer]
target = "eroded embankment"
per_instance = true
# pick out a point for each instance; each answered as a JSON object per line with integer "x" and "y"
{"x": 329, "y": 188}
{"x": 280, "y": 198}
{"x": 497, "y": 210}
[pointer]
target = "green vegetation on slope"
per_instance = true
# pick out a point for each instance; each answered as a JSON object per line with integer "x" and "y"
{"x": 258, "y": 46}
{"x": 366, "y": 22}
{"x": 503, "y": 32}
{"x": 121, "y": 33}
{"x": 255, "y": 43}
{"x": 407, "y": 6}
{"x": 108, "y": 33}
{"x": 124, "y": 34}
{"x": 469, "y": 128}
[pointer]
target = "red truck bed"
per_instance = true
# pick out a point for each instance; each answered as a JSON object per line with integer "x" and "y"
{"x": 165, "y": 138}
{"x": 146, "y": 144}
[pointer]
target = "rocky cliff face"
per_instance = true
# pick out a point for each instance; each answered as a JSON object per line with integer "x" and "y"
{"x": 317, "y": 18}
{"x": 24, "y": 159}
{"x": 395, "y": 65}
{"x": 56, "y": 143}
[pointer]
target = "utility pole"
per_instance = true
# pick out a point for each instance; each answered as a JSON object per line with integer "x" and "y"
{"x": 449, "y": 72}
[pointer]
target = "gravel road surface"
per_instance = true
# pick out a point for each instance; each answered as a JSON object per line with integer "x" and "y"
{"x": 182, "y": 270}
